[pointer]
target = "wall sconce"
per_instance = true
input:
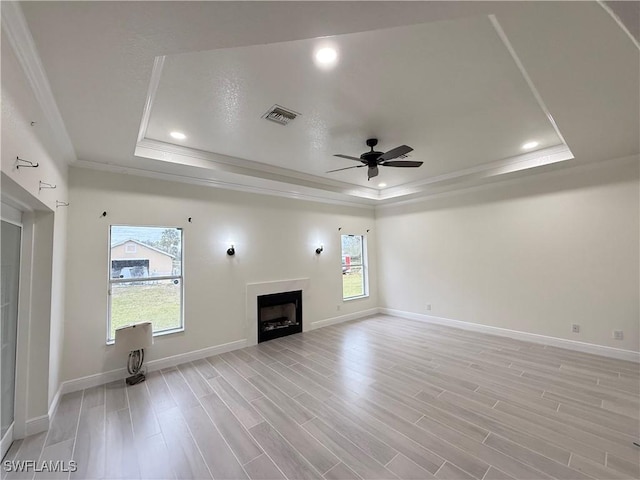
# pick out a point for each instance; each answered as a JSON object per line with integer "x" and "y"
{"x": 319, "y": 250}
{"x": 231, "y": 251}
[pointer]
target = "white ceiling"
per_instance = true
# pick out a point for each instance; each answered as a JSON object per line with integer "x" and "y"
{"x": 464, "y": 84}
{"x": 451, "y": 90}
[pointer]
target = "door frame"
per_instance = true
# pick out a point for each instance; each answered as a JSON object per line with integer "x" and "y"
{"x": 26, "y": 224}
{"x": 13, "y": 216}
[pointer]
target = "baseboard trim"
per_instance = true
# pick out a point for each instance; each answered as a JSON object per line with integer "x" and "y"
{"x": 343, "y": 318}
{"x": 6, "y": 441}
{"x": 54, "y": 403}
{"x": 42, "y": 423}
{"x": 121, "y": 373}
{"x": 610, "y": 352}
{"x": 195, "y": 355}
{"x": 39, "y": 424}
{"x": 36, "y": 425}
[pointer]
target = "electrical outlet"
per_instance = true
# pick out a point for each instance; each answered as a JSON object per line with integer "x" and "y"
{"x": 618, "y": 335}
{"x": 575, "y": 328}
{"x": 428, "y": 306}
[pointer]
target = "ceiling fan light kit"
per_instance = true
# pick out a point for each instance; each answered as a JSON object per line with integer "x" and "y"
{"x": 373, "y": 159}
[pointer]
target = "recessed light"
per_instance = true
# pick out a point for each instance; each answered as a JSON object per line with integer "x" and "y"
{"x": 530, "y": 145}
{"x": 382, "y": 184}
{"x": 326, "y": 56}
{"x": 178, "y": 135}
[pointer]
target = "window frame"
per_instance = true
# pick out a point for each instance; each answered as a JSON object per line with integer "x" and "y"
{"x": 111, "y": 281}
{"x": 364, "y": 265}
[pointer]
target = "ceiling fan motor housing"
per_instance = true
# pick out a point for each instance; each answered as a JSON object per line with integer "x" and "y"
{"x": 371, "y": 158}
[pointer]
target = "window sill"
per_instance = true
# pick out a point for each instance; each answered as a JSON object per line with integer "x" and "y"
{"x": 156, "y": 334}
{"x": 359, "y": 297}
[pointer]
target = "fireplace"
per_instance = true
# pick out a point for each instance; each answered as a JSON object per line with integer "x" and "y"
{"x": 279, "y": 314}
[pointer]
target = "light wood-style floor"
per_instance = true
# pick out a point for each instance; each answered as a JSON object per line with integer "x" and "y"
{"x": 378, "y": 398}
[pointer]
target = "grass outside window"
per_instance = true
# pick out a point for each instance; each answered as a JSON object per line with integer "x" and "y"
{"x": 145, "y": 278}
{"x": 352, "y": 285}
{"x": 156, "y": 302}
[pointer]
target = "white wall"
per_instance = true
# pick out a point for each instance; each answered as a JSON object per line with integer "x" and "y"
{"x": 534, "y": 255}
{"x": 275, "y": 239}
{"x": 42, "y": 308}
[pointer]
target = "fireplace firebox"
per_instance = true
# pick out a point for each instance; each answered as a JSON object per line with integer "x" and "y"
{"x": 279, "y": 314}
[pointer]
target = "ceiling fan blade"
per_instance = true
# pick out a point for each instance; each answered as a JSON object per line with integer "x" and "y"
{"x": 372, "y": 172}
{"x": 348, "y": 157}
{"x": 401, "y": 163}
{"x": 346, "y": 168}
{"x": 395, "y": 153}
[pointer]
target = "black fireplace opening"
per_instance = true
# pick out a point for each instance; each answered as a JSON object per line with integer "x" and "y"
{"x": 279, "y": 314}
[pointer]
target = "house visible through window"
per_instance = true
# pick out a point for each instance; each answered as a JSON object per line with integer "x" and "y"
{"x": 145, "y": 279}
{"x": 354, "y": 267}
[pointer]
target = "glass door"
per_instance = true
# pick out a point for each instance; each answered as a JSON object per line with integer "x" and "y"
{"x": 9, "y": 279}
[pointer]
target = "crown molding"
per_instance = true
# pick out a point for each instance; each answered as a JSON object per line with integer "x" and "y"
{"x": 156, "y": 73}
{"x": 567, "y": 168}
{"x": 507, "y": 44}
{"x": 176, "y": 154}
{"x": 247, "y": 173}
{"x": 168, "y": 152}
{"x": 237, "y": 183}
{"x": 546, "y": 156}
{"x": 15, "y": 26}
{"x": 620, "y": 21}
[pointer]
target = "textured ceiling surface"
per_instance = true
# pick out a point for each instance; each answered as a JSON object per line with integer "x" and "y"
{"x": 464, "y": 83}
{"x": 450, "y": 90}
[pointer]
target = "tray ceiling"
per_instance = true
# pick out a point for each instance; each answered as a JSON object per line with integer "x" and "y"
{"x": 465, "y": 84}
{"x": 451, "y": 90}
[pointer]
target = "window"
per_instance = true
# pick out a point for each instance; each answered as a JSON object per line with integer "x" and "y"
{"x": 146, "y": 286}
{"x": 354, "y": 266}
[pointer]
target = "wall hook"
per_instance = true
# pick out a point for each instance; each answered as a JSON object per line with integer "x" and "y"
{"x": 33, "y": 124}
{"x": 45, "y": 185}
{"x": 61, "y": 204}
{"x": 27, "y": 163}
{"x": 104, "y": 214}
{"x": 189, "y": 220}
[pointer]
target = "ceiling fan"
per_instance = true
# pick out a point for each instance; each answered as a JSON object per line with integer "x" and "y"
{"x": 374, "y": 159}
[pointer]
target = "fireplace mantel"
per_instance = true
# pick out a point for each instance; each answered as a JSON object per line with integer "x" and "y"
{"x": 254, "y": 290}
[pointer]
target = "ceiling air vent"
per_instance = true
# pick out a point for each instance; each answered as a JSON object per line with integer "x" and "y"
{"x": 280, "y": 115}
